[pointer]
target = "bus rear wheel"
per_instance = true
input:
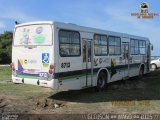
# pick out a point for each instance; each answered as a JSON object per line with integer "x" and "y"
{"x": 101, "y": 81}
{"x": 141, "y": 72}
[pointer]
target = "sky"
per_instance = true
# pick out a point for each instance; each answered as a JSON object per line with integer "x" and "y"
{"x": 113, "y": 15}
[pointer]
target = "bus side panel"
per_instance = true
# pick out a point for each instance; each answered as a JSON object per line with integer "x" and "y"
{"x": 67, "y": 69}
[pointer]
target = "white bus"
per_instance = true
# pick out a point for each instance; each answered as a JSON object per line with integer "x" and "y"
{"x": 66, "y": 56}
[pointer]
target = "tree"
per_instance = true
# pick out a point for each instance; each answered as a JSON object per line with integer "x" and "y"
{"x": 6, "y": 47}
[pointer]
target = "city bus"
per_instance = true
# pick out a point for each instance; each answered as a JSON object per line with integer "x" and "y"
{"x": 66, "y": 56}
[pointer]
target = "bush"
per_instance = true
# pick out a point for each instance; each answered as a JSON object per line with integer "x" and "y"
{"x": 6, "y": 47}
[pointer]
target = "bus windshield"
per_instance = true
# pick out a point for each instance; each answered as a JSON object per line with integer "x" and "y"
{"x": 33, "y": 35}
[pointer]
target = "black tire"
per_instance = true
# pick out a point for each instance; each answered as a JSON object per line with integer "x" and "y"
{"x": 141, "y": 72}
{"x": 101, "y": 81}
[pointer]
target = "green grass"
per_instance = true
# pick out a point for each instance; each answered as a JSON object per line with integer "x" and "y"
{"x": 24, "y": 91}
{"x": 5, "y": 73}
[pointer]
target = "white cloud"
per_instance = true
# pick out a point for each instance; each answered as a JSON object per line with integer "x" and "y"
{"x": 19, "y": 16}
{"x": 13, "y": 16}
{"x": 122, "y": 16}
{"x": 132, "y": 25}
{"x": 16, "y": 15}
{"x": 119, "y": 19}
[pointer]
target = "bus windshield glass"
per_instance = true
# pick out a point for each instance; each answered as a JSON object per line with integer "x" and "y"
{"x": 33, "y": 35}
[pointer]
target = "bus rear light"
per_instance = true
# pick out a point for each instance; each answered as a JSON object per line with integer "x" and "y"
{"x": 51, "y": 66}
{"x": 50, "y": 71}
{"x": 13, "y": 67}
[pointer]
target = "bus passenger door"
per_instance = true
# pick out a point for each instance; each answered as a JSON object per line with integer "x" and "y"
{"x": 87, "y": 62}
{"x": 125, "y": 58}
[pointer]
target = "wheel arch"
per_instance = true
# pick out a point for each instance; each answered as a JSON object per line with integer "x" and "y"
{"x": 142, "y": 65}
{"x": 106, "y": 71}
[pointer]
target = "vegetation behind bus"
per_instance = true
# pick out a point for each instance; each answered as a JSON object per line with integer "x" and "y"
{"x": 6, "y": 47}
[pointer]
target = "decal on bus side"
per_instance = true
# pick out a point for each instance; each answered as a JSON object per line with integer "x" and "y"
{"x": 100, "y": 61}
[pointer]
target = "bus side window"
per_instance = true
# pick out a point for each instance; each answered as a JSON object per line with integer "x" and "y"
{"x": 125, "y": 51}
{"x": 89, "y": 52}
{"x": 69, "y": 43}
{"x": 84, "y": 52}
{"x": 64, "y": 51}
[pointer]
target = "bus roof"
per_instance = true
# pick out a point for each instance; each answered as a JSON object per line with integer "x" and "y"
{"x": 35, "y": 22}
{"x": 72, "y": 26}
{"x": 96, "y": 30}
